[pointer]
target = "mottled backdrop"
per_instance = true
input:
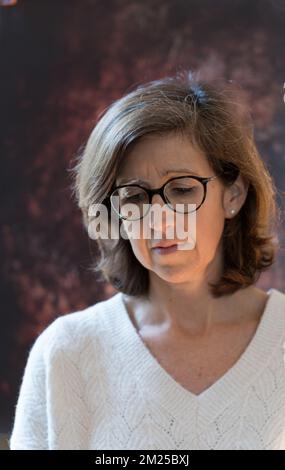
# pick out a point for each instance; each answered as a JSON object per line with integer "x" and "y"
{"x": 61, "y": 63}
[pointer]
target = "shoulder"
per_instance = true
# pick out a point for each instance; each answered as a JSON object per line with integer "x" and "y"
{"x": 72, "y": 331}
{"x": 276, "y": 315}
{"x": 280, "y": 295}
{"x": 277, "y": 301}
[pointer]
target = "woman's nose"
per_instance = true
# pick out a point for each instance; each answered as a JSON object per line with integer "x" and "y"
{"x": 157, "y": 199}
{"x": 160, "y": 216}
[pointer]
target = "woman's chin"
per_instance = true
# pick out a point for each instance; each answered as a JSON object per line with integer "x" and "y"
{"x": 173, "y": 274}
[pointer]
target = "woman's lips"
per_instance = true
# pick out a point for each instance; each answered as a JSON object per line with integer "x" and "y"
{"x": 163, "y": 251}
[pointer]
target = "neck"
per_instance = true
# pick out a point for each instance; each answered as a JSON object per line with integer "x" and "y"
{"x": 192, "y": 310}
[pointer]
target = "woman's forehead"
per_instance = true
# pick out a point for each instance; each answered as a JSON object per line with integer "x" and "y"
{"x": 161, "y": 173}
{"x": 160, "y": 164}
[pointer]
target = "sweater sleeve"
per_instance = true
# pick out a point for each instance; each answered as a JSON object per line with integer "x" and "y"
{"x": 30, "y": 427}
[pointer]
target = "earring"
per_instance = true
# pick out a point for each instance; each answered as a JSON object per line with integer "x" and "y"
{"x": 232, "y": 211}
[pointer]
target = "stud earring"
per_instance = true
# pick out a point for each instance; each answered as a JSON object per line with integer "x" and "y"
{"x": 232, "y": 211}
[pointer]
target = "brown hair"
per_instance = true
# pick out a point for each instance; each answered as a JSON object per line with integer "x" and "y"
{"x": 211, "y": 114}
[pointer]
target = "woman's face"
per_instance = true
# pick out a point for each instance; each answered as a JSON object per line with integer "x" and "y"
{"x": 148, "y": 161}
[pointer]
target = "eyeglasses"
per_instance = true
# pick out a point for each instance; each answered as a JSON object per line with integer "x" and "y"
{"x": 179, "y": 193}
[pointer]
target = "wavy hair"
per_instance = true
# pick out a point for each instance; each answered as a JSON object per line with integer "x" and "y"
{"x": 213, "y": 115}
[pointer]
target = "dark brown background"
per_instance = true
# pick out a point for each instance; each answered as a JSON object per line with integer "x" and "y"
{"x": 61, "y": 62}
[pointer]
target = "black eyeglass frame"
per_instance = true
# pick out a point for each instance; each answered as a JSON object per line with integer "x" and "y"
{"x": 160, "y": 191}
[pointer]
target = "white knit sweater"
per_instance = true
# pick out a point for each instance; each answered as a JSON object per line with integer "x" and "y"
{"x": 90, "y": 382}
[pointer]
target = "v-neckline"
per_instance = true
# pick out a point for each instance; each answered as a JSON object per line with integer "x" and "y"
{"x": 174, "y": 396}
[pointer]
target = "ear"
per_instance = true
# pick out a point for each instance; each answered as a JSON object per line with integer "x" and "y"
{"x": 234, "y": 196}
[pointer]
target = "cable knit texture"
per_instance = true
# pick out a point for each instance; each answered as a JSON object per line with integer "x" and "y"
{"x": 90, "y": 382}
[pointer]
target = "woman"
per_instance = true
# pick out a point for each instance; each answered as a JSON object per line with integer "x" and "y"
{"x": 189, "y": 353}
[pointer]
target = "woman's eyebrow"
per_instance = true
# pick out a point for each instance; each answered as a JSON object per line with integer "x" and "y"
{"x": 163, "y": 173}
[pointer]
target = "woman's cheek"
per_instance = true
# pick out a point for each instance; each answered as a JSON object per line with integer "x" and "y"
{"x": 141, "y": 251}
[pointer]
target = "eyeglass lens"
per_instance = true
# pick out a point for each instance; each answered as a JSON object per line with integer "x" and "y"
{"x": 132, "y": 202}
